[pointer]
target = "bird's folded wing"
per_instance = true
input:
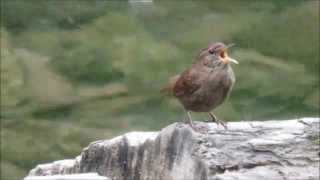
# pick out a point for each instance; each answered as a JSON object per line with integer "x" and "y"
{"x": 187, "y": 83}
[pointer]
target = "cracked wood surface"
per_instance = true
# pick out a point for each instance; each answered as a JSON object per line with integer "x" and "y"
{"x": 262, "y": 150}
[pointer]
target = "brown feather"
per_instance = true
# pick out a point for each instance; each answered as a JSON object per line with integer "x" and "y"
{"x": 186, "y": 84}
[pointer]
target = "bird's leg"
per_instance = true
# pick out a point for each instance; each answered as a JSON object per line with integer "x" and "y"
{"x": 216, "y": 120}
{"x": 190, "y": 122}
{"x": 213, "y": 118}
{"x": 196, "y": 129}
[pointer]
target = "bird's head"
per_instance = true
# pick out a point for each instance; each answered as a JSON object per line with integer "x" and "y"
{"x": 218, "y": 52}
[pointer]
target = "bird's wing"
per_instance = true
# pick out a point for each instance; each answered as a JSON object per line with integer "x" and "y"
{"x": 187, "y": 83}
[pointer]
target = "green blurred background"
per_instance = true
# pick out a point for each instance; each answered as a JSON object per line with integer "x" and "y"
{"x": 77, "y": 71}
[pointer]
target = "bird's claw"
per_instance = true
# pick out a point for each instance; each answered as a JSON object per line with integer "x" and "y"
{"x": 201, "y": 129}
{"x": 217, "y": 121}
{"x": 223, "y": 124}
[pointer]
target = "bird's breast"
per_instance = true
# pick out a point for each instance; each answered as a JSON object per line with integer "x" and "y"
{"x": 216, "y": 87}
{"x": 219, "y": 78}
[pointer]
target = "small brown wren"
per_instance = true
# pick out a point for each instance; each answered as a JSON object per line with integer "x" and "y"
{"x": 206, "y": 84}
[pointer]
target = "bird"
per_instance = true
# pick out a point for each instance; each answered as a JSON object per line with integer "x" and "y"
{"x": 206, "y": 83}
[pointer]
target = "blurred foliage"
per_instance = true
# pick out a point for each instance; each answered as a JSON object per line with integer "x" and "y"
{"x": 91, "y": 63}
{"x": 76, "y": 71}
{"x": 290, "y": 26}
{"x": 47, "y": 15}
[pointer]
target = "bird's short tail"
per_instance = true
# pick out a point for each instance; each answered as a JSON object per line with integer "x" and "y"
{"x": 168, "y": 89}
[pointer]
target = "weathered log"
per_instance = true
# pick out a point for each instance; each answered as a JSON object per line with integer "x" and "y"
{"x": 268, "y": 150}
{"x": 82, "y": 176}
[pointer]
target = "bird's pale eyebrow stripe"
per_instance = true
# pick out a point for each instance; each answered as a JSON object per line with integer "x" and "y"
{"x": 202, "y": 51}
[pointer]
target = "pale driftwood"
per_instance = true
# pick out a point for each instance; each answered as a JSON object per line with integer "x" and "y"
{"x": 82, "y": 176}
{"x": 268, "y": 150}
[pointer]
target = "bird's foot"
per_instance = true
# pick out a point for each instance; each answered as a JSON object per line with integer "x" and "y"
{"x": 193, "y": 126}
{"x": 222, "y": 123}
{"x": 214, "y": 119}
{"x": 197, "y": 128}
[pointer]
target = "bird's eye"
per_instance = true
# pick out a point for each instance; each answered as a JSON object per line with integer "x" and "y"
{"x": 211, "y": 51}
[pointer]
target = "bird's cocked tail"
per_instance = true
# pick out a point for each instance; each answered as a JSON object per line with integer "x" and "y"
{"x": 168, "y": 89}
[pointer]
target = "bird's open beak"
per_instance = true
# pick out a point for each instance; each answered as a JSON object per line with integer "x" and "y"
{"x": 230, "y": 45}
{"x": 229, "y": 59}
{"x": 225, "y": 58}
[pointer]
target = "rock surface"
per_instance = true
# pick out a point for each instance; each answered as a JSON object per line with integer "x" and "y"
{"x": 82, "y": 176}
{"x": 268, "y": 150}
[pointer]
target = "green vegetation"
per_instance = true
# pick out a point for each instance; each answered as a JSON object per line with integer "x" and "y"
{"x": 73, "y": 72}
